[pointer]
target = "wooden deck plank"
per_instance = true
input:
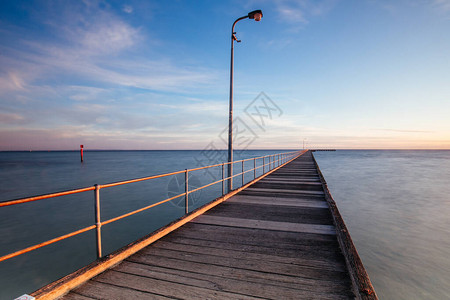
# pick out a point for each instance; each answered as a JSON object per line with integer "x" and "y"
{"x": 312, "y": 272}
{"x": 250, "y": 255}
{"x": 328, "y": 255}
{"x": 279, "y": 193}
{"x": 267, "y": 225}
{"x": 249, "y": 288}
{"x": 292, "y": 181}
{"x": 278, "y": 201}
{"x": 203, "y": 265}
{"x": 220, "y": 275}
{"x": 163, "y": 287}
{"x": 251, "y": 236}
{"x": 100, "y": 290}
{"x": 286, "y": 181}
{"x": 298, "y": 175}
{"x": 294, "y": 178}
{"x": 285, "y": 214}
{"x": 268, "y": 190}
{"x": 74, "y": 296}
{"x": 307, "y": 187}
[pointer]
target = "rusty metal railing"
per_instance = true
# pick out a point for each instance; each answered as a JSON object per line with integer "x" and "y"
{"x": 274, "y": 160}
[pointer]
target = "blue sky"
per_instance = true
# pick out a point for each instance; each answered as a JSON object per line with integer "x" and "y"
{"x": 155, "y": 74}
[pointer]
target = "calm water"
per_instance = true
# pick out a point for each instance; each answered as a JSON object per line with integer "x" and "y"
{"x": 396, "y": 205}
{"x": 24, "y": 174}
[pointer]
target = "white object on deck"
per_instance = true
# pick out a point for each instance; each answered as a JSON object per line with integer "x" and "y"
{"x": 25, "y": 297}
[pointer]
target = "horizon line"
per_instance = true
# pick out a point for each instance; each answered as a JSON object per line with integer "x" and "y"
{"x": 259, "y": 149}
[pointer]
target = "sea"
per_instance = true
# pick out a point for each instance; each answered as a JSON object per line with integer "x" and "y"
{"x": 395, "y": 203}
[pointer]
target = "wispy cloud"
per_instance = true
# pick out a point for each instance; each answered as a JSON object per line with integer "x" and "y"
{"x": 10, "y": 118}
{"x": 11, "y": 81}
{"x": 111, "y": 36}
{"x": 296, "y": 12}
{"x": 302, "y": 11}
{"x": 402, "y": 130}
{"x": 442, "y": 4}
{"x": 96, "y": 77}
{"x": 85, "y": 93}
{"x": 292, "y": 14}
{"x": 128, "y": 9}
{"x": 94, "y": 49}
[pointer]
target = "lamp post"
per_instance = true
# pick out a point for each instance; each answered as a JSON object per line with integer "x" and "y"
{"x": 255, "y": 15}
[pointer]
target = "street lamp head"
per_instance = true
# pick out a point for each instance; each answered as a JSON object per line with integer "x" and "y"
{"x": 256, "y": 15}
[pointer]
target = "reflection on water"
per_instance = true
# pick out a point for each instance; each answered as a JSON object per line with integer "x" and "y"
{"x": 397, "y": 207}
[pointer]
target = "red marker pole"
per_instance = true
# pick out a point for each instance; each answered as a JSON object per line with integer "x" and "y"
{"x": 81, "y": 152}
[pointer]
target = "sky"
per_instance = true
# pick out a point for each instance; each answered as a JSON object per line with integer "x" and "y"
{"x": 356, "y": 74}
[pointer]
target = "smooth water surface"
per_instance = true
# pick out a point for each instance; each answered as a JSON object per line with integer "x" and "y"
{"x": 396, "y": 205}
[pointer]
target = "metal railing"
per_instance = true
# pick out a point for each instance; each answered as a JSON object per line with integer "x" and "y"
{"x": 274, "y": 160}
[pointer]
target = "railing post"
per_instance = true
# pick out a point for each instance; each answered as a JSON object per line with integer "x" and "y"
{"x": 264, "y": 164}
{"x": 230, "y": 174}
{"x": 223, "y": 179}
{"x": 186, "y": 189}
{"x": 254, "y": 167}
{"x": 98, "y": 223}
{"x": 242, "y": 173}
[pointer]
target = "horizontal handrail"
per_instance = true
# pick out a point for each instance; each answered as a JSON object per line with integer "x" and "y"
{"x": 280, "y": 157}
{"x": 140, "y": 179}
{"x": 46, "y": 196}
{"x": 37, "y": 246}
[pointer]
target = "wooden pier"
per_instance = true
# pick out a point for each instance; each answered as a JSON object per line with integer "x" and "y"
{"x": 280, "y": 238}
